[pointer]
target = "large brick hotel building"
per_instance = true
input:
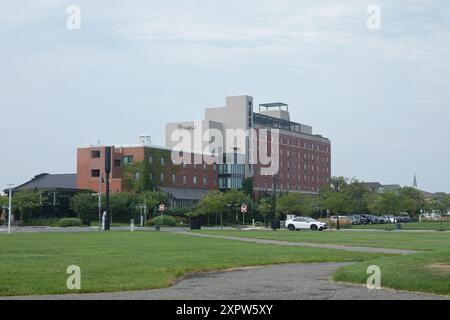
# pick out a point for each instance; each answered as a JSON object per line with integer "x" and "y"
{"x": 304, "y": 157}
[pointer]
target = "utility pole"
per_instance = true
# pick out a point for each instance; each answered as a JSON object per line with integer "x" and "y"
{"x": 100, "y": 202}
{"x": 9, "y": 207}
{"x": 274, "y": 203}
{"x": 107, "y": 172}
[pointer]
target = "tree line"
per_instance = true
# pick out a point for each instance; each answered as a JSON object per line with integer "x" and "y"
{"x": 342, "y": 196}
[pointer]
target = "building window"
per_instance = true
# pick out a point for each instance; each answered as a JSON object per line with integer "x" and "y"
{"x": 117, "y": 163}
{"x": 150, "y": 159}
{"x": 128, "y": 160}
{"x": 174, "y": 178}
{"x": 137, "y": 175}
{"x": 162, "y": 161}
{"x": 161, "y": 178}
{"x": 95, "y": 173}
{"x": 204, "y": 181}
{"x": 150, "y": 176}
{"x": 195, "y": 179}
{"x": 204, "y": 166}
{"x": 184, "y": 180}
{"x": 95, "y": 154}
{"x": 214, "y": 167}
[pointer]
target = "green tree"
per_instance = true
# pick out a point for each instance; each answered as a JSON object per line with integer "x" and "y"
{"x": 247, "y": 187}
{"x": 124, "y": 206}
{"x": 265, "y": 207}
{"x": 3, "y": 203}
{"x": 294, "y": 203}
{"x": 235, "y": 198}
{"x": 152, "y": 200}
{"x": 26, "y": 203}
{"x": 441, "y": 203}
{"x": 85, "y": 206}
{"x": 357, "y": 194}
{"x": 219, "y": 202}
{"x": 336, "y": 183}
{"x": 386, "y": 203}
{"x": 137, "y": 176}
{"x": 411, "y": 200}
{"x": 212, "y": 204}
{"x": 336, "y": 202}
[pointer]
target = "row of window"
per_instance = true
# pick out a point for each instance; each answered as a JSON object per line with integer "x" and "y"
{"x": 306, "y": 168}
{"x": 184, "y": 179}
{"x": 162, "y": 162}
{"x": 306, "y": 178}
{"x": 282, "y": 186}
{"x": 306, "y": 156}
{"x": 306, "y": 145}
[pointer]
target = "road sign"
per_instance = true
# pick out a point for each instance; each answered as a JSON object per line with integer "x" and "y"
{"x": 162, "y": 207}
{"x": 244, "y": 208}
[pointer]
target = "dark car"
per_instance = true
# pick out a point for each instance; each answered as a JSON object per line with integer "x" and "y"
{"x": 366, "y": 219}
{"x": 363, "y": 219}
{"x": 375, "y": 219}
{"x": 407, "y": 219}
{"x": 356, "y": 219}
{"x": 403, "y": 219}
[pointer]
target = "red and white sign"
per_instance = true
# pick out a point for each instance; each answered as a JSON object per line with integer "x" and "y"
{"x": 162, "y": 207}
{"x": 244, "y": 208}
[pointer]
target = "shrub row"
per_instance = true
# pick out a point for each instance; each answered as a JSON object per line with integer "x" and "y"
{"x": 165, "y": 221}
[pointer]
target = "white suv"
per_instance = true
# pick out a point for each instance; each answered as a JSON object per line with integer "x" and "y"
{"x": 305, "y": 223}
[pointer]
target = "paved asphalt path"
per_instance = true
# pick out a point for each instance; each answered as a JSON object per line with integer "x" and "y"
{"x": 277, "y": 282}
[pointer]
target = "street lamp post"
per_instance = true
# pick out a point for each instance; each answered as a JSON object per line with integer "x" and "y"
{"x": 336, "y": 189}
{"x": 9, "y": 207}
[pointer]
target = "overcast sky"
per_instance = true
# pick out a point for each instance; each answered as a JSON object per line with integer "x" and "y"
{"x": 381, "y": 96}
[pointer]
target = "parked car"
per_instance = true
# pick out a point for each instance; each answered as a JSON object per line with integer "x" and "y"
{"x": 370, "y": 219}
{"x": 376, "y": 219}
{"x": 390, "y": 219}
{"x": 382, "y": 220}
{"x": 403, "y": 219}
{"x": 356, "y": 219}
{"x": 305, "y": 223}
{"x": 407, "y": 219}
{"x": 363, "y": 219}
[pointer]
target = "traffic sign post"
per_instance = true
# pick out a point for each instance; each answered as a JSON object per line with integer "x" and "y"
{"x": 243, "y": 211}
{"x": 162, "y": 207}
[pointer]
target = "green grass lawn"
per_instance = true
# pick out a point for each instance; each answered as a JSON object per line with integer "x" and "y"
{"x": 36, "y": 263}
{"x": 425, "y": 271}
{"x": 426, "y": 241}
{"x": 407, "y": 226}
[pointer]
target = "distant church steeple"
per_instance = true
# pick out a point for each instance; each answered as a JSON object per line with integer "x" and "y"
{"x": 415, "y": 181}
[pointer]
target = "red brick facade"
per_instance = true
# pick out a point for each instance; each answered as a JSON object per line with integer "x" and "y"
{"x": 305, "y": 165}
{"x": 91, "y": 161}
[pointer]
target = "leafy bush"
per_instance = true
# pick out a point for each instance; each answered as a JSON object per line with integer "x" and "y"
{"x": 166, "y": 221}
{"x": 343, "y": 224}
{"x": 70, "y": 222}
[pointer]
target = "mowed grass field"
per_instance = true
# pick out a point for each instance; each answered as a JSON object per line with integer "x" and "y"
{"x": 425, "y": 271}
{"x": 36, "y": 263}
{"x": 407, "y": 226}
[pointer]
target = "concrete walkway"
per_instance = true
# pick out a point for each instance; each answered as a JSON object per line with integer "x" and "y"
{"x": 302, "y": 244}
{"x": 276, "y": 282}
